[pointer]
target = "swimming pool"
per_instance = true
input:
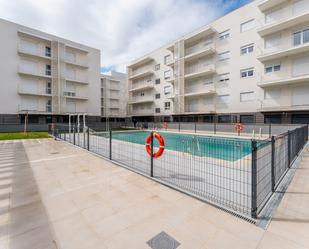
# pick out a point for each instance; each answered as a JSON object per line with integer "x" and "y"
{"x": 230, "y": 149}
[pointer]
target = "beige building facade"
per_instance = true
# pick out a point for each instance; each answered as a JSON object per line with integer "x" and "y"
{"x": 45, "y": 76}
{"x": 250, "y": 66}
{"x": 114, "y": 95}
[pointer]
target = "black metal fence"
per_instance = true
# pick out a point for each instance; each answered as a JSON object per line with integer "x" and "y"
{"x": 236, "y": 174}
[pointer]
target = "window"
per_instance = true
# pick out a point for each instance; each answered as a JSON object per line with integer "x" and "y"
{"x": 157, "y": 95}
{"x": 49, "y": 105}
{"x": 223, "y": 98}
{"x": 246, "y": 49}
{"x": 47, "y": 51}
{"x": 246, "y": 73}
{"x": 247, "y": 26}
{"x": 47, "y": 69}
{"x": 157, "y": 67}
{"x": 224, "y": 56}
{"x": 158, "y": 110}
{"x": 272, "y": 94}
{"x": 224, "y": 35}
{"x": 48, "y": 87}
{"x": 274, "y": 15}
{"x": 142, "y": 94}
{"x": 224, "y": 77}
{"x": 157, "y": 81}
{"x": 167, "y": 105}
{"x": 224, "y": 119}
{"x": 167, "y": 74}
{"x": 301, "y": 37}
{"x": 273, "y": 41}
{"x": 246, "y": 97}
{"x": 167, "y": 90}
{"x": 167, "y": 59}
{"x": 300, "y": 66}
{"x": 272, "y": 68}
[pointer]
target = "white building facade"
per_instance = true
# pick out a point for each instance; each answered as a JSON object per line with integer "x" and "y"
{"x": 251, "y": 65}
{"x": 45, "y": 76}
{"x": 114, "y": 95}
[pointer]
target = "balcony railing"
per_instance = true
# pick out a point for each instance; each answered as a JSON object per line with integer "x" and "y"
{"x": 36, "y": 53}
{"x": 199, "y": 108}
{"x": 34, "y": 109}
{"x": 75, "y": 62}
{"x": 283, "y": 50}
{"x": 141, "y": 86}
{"x": 141, "y": 72}
{"x": 33, "y": 72}
{"x": 286, "y": 18}
{"x": 77, "y": 79}
{"x": 200, "y": 48}
{"x": 199, "y": 70}
{"x": 73, "y": 95}
{"x": 24, "y": 91}
{"x": 142, "y": 99}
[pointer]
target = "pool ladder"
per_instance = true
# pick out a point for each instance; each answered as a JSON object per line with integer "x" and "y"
{"x": 188, "y": 147}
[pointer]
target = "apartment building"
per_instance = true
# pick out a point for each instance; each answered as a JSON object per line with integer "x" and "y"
{"x": 46, "y": 77}
{"x": 251, "y": 65}
{"x": 114, "y": 92}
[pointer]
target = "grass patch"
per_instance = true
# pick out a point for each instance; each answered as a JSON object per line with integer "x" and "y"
{"x": 22, "y": 135}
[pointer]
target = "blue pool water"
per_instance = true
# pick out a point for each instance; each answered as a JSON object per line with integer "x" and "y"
{"x": 230, "y": 149}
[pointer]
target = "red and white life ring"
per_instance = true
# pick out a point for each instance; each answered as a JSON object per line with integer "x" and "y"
{"x": 161, "y": 142}
{"x": 239, "y": 127}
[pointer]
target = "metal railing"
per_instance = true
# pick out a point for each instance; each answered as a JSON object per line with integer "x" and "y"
{"x": 239, "y": 175}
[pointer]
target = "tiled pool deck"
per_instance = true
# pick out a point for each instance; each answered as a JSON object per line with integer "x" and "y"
{"x": 54, "y": 195}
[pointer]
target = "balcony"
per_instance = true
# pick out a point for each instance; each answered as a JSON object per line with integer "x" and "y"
{"x": 141, "y": 74}
{"x": 141, "y": 62}
{"x": 199, "y": 71}
{"x": 170, "y": 63}
{"x": 77, "y": 79}
{"x": 288, "y": 21}
{"x": 73, "y": 95}
{"x": 199, "y": 34}
{"x": 199, "y": 109}
{"x": 200, "y": 93}
{"x": 141, "y": 100}
{"x": 37, "y": 54}
{"x": 142, "y": 112}
{"x": 76, "y": 63}
{"x": 47, "y": 109}
{"x": 113, "y": 96}
{"x": 268, "y": 4}
{"x": 199, "y": 51}
{"x": 279, "y": 106}
{"x": 281, "y": 81}
{"x": 143, "y": 86}
{"x": 284, "y": 51}
{"x": 23, "y": 91}
{"x": 37, "y": 73}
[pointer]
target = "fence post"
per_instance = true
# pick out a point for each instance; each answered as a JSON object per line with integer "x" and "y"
{"x": 151, "y": 154}
{"x": 178, "y": 126}
{"x": 74, "y": 135}
{"x": 88, "y": 136}
{"x": 215, "y": 127}
{"x": 254, "y": 180}
{"x": 110, "y": 144}
{"x": 273, "y": 164}
{"x": 195, "y": 127}
{"x": 289, "y": 149}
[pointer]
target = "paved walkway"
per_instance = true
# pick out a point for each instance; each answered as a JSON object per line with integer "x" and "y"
{"x": 53, "y": 195}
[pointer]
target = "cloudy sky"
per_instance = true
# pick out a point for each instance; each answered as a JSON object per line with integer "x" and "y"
{"x": 122, "y": 29}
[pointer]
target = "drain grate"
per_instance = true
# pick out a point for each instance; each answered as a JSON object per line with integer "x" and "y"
{"x": 163, "y": 241}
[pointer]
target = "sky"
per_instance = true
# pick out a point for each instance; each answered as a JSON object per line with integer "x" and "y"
{"x": 122, "y": 29}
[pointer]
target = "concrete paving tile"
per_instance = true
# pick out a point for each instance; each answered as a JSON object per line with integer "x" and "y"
{"x": 225, "y": 240}
{"x": 59, "y": 207}
{"x": 34, "y": 239}
{"x": 295, "y": 229}
{"x": 73, "y": 232}
{"x": 273, "y": 241}
{"x": 98, "y": 212}
{"x": 244, "y": 230}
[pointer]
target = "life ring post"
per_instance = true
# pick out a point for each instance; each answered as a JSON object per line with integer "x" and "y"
{"x": 151, "y": 154}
